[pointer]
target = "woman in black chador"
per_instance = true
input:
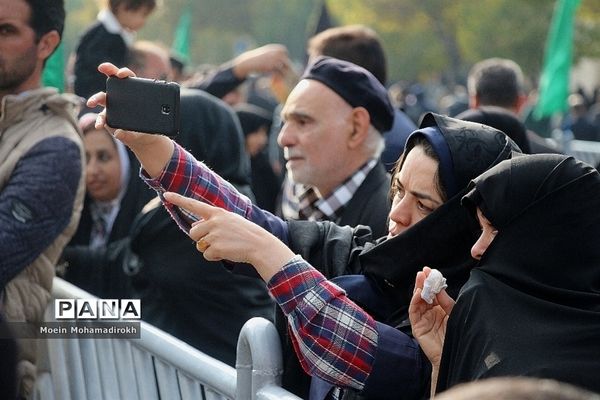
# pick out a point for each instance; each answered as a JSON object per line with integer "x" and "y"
{"x": 532, "y": 305}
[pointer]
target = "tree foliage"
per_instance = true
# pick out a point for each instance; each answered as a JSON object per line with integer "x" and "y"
{"x": 423, "y": 39}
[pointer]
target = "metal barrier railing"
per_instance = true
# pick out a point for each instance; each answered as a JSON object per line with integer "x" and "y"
{"x": 156, "y": 366}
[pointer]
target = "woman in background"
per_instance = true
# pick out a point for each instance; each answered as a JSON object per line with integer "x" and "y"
{"x": 112, "y": 201}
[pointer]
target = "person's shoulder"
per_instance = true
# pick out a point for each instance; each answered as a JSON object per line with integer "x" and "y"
{"x": 199, "y": 96}
{"x": 93, "y": 30}
{"x": 196, "y": 104}
{"x": 98, "y": 34}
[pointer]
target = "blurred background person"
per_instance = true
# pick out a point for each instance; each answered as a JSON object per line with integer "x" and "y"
{"x": 499, "y": 82}
{"x": 108, "y": 40}
{"x": 256, "y": 126}
{"x": 114, "y": 196}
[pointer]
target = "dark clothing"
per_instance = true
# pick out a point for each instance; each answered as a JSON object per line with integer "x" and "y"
{"x": 502, "y": 119}
{"x": 370, "y": 203}
{"x": 395, "y": 139}
{"x": 220, "y": 81}
{"x": 442, "y": 240}
{"x": 87, "y": 267}
{"x": 97, "y": 45}
{"x": 195, "y": 300}
{"x": 211, "y": 131}
{"x": 584, "y": 129}
{"x": 265, "y": 183}
{"x": 341, "y": 250}
{"x": 532, "y": 305}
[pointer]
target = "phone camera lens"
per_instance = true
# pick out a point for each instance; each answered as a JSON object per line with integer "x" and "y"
{"x": 165, "y": 109}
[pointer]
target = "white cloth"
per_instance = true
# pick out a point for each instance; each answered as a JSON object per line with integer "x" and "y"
{"x": 434, "y": 284}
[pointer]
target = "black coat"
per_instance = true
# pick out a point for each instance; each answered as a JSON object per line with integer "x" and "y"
{"x": 532, "y": 305}
{"x": 96, "y": 45}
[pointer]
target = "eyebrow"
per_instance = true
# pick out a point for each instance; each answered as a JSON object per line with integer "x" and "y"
{"x": 294, "y": 114}
{"x": 418, "y": 195}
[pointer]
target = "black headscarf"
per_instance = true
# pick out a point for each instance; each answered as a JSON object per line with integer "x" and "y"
{"x": 532, "y": 305}
{"x": 443, "y": 239}
{"x": 502, "y": 119}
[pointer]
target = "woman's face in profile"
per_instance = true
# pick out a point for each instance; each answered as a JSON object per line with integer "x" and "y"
{"x": 488, "y": 233}
{"x": 103, "y": 169}
{"x": 415, "y": 191}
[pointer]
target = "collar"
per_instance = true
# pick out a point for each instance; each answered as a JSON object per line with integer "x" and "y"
{"x": 331, "y": 207}
{"x": 112, "y": 25}
{"x": 14, "y": 107}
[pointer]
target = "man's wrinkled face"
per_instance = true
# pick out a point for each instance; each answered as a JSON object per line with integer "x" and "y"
{"x": 18, "y": 45}
{"x": 317, "y": 123}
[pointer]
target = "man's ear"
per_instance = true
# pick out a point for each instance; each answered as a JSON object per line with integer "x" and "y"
{"x": 520, "y": 103}
{"x": 361, "y": 121}
{"x": 48, "y": 42}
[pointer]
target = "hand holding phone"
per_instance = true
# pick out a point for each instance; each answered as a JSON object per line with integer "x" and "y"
{"x": 142, "y": 105}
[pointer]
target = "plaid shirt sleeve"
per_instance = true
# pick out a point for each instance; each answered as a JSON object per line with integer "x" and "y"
{"x": 333, "y": 337}
{"x": 191, "y": 178}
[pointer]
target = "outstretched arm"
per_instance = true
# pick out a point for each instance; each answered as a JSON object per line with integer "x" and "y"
{"x": 334, "y": 339}
{"x": 168, "y": 167}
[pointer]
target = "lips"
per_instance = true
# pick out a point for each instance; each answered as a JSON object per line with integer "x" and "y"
{"x": 95, "y": 185}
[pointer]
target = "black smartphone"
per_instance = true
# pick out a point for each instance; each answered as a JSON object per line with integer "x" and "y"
{"x": 143, "y": 105}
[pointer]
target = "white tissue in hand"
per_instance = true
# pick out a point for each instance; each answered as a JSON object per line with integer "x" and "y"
{"x": 434, "y": 284}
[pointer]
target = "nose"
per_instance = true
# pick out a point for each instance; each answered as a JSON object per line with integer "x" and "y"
{"x": 92, "y": 166}
{"x": 285, "y": 137}
{"x": 478, "y": 248}
{"x": 400, "y": 217}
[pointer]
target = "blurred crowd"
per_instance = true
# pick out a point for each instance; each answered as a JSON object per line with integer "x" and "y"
{"x": 317, "y": 195}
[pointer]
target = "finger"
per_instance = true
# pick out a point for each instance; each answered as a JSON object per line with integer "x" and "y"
{"x": 198, "y": 208}
{"x": 100, "y": 120}
{"x": 98, "y": 99}
{"x": 416, "y": 307}
{"x": 420, "y": 280}
{"x": 124, "y": 73}
{"x": 108, "y": 69}
{"x": 211, "y": 255}
{"x": 121, "y": 134}
{"x": 445, "y": 301}
{"x": 199, "y": 231}
{"x": 416, "y": 297}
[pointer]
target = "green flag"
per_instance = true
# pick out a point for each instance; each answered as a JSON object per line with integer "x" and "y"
{"x": 181, "y": 43}
{"x": 554, "y": 82}
{"x": 54, "y": 70}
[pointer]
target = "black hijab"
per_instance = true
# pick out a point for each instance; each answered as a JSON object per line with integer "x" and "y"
{"x": 532, "y": 305}
{"x": 502, "y": 119}
{"x": 443, "y": 239}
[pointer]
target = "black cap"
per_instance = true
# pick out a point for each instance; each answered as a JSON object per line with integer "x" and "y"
{"x": 357, "y": 86}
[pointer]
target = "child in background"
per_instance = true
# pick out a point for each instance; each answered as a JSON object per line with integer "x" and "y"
{"x": 108, "y": 39}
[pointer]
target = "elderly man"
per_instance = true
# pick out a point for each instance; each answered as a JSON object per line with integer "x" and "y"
{"x": 41, "y": 166}
{"x": 332, "y": 141}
